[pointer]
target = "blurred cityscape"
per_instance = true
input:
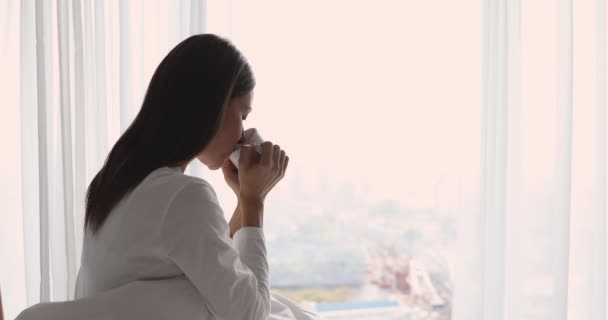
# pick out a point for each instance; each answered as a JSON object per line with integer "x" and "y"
{"x": 344, "y": 259}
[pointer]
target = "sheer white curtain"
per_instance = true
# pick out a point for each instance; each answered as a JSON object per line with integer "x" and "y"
{"x": 533, "y": 243}
{"x": 84, "y": 67}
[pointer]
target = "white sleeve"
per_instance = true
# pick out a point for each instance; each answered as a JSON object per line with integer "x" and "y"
{"x": 230, "y": 274}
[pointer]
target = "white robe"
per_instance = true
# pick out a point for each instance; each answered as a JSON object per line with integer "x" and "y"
{"x": 165, "y": 252}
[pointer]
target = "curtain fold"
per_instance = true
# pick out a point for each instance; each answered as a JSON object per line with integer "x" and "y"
{"x": 42, "y": 80}
{"x": 29, "y": 151}
{"x": 563, "y": 159}
{"x": 587, "y": 263}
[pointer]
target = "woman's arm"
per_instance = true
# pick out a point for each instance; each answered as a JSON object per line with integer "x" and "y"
{"x": 235, "y": 221}
{"x": 231, "y": 275}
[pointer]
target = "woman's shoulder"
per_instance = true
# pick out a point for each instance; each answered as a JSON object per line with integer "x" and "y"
{"x": 173, "y": 179}
{"x": 192, "y": 211}
{"x": 193, "y": 191}
{"x": 166, "y": 188}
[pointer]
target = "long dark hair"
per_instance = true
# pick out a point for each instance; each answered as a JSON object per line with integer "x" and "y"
{"x": 180, "y": 113}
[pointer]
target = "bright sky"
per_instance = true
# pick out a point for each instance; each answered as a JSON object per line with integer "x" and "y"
{"x": 383, "y": 94}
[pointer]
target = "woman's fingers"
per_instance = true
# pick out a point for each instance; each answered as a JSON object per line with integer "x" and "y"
{"x": 267, "y": 150}
{"x": 282, "y": 163}
{"x": 276, "y": 154}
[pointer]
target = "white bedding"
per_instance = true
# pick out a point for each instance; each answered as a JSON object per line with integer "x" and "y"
{"x": 175, "y": 299}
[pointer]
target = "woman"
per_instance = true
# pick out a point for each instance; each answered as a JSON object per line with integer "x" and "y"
{"x": 147, "y": 222}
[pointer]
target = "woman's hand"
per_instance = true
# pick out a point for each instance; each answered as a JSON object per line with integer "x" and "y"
{"x": 260, "y": 172}
{"x": 231, "y": 175}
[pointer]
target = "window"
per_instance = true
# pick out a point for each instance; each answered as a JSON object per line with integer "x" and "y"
{"x": 377, "y": 104}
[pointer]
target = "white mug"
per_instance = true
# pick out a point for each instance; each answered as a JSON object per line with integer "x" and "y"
{"x": 252, "y": 136}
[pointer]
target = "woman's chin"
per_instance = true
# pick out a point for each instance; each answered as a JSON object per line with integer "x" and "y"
{"x": 217, "y": 165}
